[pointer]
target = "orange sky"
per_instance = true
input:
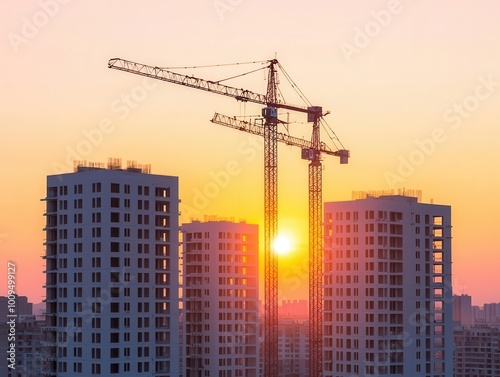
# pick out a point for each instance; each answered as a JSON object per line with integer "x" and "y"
{"x": 414, "y": 90}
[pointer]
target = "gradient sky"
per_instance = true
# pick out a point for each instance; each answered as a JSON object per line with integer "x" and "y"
{"x": 413, "y": 87}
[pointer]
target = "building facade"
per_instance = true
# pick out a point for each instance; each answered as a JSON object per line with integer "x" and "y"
{"x": 220, "y": 299}
{"x": 112, "y": 272}
{"x": 462, "y": 310}
{"x": 387, "y": 297}
{"x": 477, "y": 351}
{"x": 30, "y": 358}
{"x": 293, "y": 347}
{"x": 492, "y": 313}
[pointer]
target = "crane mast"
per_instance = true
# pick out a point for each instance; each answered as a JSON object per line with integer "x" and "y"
{"x": 311, "y": 150}
{"x": 315, "y": 256}
{"x": 270, "y": 227}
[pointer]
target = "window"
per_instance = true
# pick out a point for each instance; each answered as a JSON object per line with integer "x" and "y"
{"x": 96, "y": 324}
{"x": 162, "y": 192}
{"x": 96, "y": 277}
{"x": 96, "y": 368}
{"x": 438, "y": 220}
{"x": 96, "y": 202}
{"x": 96, "y": 353}
{"x": 114, "y": 368}
{"x": 115, "y": 202}
{"x": 115, "y": 188}
{"x": 96, "y": 338}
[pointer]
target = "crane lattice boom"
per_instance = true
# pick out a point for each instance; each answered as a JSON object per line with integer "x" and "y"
{"x": 198, "y": 83}
{"x": 258, "y": 129}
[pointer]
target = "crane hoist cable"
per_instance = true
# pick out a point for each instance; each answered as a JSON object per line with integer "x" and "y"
{"x": 240, "y": 75}
{"x": 215, "y": 65}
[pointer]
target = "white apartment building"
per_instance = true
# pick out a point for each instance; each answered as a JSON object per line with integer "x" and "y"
{"x": 112, "y": 272}
{"x": 387, "y": 297}
{"x": 220, "y": 299}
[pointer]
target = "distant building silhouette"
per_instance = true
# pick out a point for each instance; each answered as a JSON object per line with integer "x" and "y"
{"x": 293, "y": 309}
{"x": 27, "y": 337}
{"x": 30, "y": 358}
{"x": 462, "y": 310}
{"x": 492, "y": 313}
{"x": 220, "y": 315}
{"x": 22, "y": 307}
{"x": 387, "y": 300}
{"x": 112, "y": 272}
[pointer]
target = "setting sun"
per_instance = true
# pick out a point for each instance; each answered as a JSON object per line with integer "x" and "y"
{"x": 282, "y": 245}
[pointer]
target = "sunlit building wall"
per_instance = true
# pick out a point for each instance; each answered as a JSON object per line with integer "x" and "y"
{"x": 220, "y": 299}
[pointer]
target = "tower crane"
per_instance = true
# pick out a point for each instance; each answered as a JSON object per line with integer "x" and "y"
{"x": 311, "y": 151}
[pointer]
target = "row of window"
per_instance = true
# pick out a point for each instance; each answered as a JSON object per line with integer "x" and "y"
{"x": 163, "y": 192}
{"x": 160, "y": 206}
{"x": 222, "y": 235}
{"x": 161, "y": 250}
{"x": 382, "y": 215}
{"x": 114, "y": 368}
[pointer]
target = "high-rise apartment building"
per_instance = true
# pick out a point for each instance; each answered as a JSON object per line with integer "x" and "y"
{"x": 29, "y": 357}
{"x": 387, "y": 297}
{"x": 220, "y": 297}
{"x": 25, "y": 335}
{"x": 492, "y": 313}
{"x": 477, "y": 351}
{"x": 112, "y": 272}
{"x": 293, "y": 347}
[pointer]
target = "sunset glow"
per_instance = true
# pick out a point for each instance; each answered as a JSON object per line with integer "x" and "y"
{"x": 413, "y": 90}
{"x": 282, "y": 244}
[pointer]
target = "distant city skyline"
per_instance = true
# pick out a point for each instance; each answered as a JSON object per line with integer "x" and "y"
{"x": 413, "y": 90}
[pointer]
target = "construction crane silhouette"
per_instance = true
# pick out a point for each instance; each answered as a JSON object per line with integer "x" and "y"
{"x": 311, "y": 150}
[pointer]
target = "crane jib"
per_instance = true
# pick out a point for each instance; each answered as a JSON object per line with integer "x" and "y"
{"x": 239, "y": 94}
